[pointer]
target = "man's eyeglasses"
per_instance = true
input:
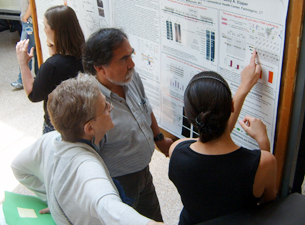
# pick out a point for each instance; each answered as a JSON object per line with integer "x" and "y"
{"x": 108, "y": 107}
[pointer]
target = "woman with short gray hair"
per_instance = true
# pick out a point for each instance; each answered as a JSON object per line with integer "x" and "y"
{"x": 64, "y": 168}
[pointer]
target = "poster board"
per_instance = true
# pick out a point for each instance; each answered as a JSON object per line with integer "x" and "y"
{"x": 175, "y": 39}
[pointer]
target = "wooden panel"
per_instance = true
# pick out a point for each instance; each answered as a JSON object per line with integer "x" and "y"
{"x": 289, "y": 70}
{"x": 36, "y": 33}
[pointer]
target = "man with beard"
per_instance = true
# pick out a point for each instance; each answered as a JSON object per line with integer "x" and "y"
{"x": 130, "y": 145}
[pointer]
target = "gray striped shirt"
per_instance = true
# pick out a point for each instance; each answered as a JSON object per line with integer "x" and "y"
{"x": 130, "y": 144}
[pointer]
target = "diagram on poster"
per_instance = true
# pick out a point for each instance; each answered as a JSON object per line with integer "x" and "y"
{"x": 147, "y": 63}
{"x": 189, "y": 33}
{"x": 240, "y": 35}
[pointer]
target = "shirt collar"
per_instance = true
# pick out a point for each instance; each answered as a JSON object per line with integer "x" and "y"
{"x": 85, "y": 141}
{"x": 105, "y": 90}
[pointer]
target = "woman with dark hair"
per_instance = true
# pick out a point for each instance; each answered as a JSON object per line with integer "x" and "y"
{"x": 213, "y": 175}
{"x": 64, "y": 40}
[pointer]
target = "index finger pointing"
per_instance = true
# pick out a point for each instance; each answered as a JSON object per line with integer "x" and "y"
{"x": 252, "y": 61}
{"x": 243, "y": 125}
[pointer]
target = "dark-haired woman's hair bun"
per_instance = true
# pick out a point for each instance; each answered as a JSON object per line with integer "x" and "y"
{"x": 207, "y": 123}
{"x": 208, "y": 104}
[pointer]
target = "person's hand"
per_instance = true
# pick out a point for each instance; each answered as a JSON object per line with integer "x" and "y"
{"x": 164, "y": 145}
{"x": 24, "y": 19}
{"x": 257, "y": 130}
{"x": 250, "y": 74}
{"x": 22, "y": 52}
{"x": 44, "y": 211}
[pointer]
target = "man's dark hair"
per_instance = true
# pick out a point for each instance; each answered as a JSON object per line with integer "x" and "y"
{"x": 98, "y": 50}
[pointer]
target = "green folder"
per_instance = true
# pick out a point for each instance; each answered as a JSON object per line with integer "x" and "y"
{"x": 21, "y": 209}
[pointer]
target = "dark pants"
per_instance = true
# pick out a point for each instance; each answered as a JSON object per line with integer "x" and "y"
{"x": 139, "y": 186}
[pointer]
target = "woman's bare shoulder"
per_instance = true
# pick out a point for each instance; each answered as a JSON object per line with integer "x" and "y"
{"x": 173, "y": 146}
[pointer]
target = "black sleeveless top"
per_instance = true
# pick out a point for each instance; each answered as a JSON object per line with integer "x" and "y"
{"x": 213, "y": 185}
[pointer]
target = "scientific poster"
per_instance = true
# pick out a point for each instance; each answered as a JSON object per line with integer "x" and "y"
{"x": 91, "y": 14}
{"x": 176, "y": 39}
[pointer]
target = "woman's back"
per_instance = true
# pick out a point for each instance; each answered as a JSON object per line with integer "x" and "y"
{"x": 55, "y": 70}
{"x": 213, "y": 185}
{"x": 64, "y": 41}
{"x": 214, "y": 176}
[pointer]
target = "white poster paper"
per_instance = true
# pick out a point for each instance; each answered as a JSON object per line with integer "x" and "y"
{"x": 221, "y": 36}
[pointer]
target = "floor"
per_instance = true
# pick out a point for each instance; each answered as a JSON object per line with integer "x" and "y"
{"x": 21, "y": 124}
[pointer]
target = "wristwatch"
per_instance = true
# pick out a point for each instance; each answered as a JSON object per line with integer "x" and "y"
{"x": 159, "y": 137}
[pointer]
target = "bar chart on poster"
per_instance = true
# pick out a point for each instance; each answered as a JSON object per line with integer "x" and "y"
{"x": 175, "y": 39}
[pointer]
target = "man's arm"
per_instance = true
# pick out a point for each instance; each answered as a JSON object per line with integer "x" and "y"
{"x": 163, "y": 145}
